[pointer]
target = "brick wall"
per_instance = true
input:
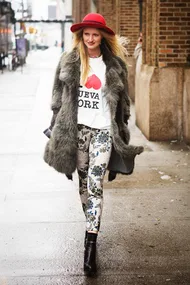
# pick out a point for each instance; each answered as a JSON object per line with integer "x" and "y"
{"x": 108, "y": 10}
{"x": 174, "y": 38}
{"x": 80, "y": 9}
{"x": 123, "y": 17}
{"x": 129, "y": 22}
{"x": 166, "y": 32}
{"x": 150, "y": 31}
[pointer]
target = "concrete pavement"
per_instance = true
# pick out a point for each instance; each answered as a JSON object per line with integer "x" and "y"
{"x": 145, "y": 234}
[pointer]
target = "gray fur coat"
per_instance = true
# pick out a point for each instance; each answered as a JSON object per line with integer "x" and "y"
{"x": 61, "y": 149}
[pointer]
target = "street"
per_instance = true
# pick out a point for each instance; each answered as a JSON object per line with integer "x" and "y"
{"x": 145, "y": 233}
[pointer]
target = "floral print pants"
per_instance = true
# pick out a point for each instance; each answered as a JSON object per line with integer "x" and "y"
{"x": 94, "y": 150}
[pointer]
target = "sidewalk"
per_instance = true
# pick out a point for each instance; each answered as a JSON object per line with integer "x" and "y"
{"x": 145, "y": 234}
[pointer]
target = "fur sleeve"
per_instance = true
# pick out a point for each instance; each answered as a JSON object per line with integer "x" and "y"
{"x": 125, "y": 96}
{"x": 57, "y": 90}
{"x": 126, "y": 102}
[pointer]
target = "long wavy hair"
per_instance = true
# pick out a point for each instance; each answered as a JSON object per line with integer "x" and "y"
{"x": 110, "y": 46}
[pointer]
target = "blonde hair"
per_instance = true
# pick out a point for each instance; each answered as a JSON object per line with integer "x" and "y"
{"x": 114, "y": 44}
{"x": 111, "y": 41}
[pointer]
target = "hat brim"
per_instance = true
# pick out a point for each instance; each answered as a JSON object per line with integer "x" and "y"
{"x": 79, "y": 26}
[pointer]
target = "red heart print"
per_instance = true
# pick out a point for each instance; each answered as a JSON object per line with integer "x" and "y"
{"x": 93, "y": 82}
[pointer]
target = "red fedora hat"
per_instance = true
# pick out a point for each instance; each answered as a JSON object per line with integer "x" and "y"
{"x": 93, "y": 20}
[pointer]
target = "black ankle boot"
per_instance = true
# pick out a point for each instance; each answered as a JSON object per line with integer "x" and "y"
{"x": 90, "y": 255}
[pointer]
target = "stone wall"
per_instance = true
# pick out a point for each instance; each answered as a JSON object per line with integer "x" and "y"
{"x": 163, "y": 103}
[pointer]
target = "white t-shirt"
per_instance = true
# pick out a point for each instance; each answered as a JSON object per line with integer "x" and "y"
{"x": 93, "y": 110}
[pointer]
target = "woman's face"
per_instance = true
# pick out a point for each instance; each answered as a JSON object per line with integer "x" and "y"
{"x": 92, "y": 38}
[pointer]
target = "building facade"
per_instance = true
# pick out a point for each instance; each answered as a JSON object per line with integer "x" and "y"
{"x": 161, "y": 90}
{"x": 162, "y": 98}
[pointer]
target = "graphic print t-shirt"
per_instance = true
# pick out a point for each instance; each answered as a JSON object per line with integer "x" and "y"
{"x": 93, "y": 110}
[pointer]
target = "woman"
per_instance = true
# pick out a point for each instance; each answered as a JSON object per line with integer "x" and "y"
{"x": 91, "y": 108}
